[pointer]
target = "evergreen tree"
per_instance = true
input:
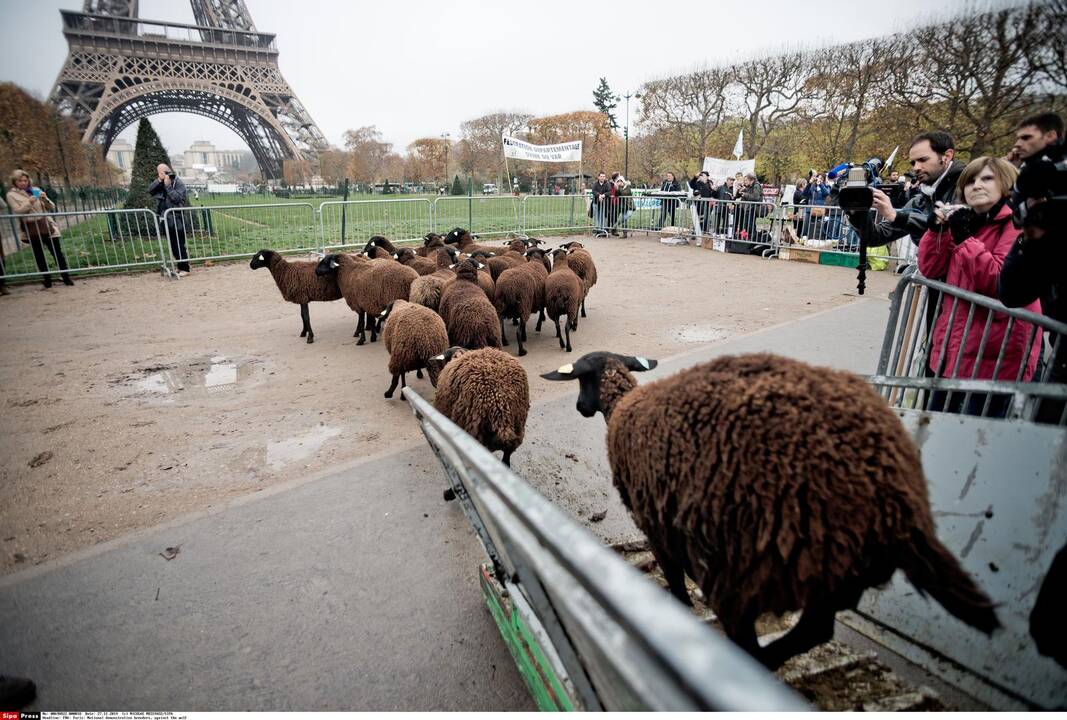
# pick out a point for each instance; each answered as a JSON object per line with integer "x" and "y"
{"x": 457, "y": 186}
{"x": 606, "y": 101}
{"x": 147, "y": 155}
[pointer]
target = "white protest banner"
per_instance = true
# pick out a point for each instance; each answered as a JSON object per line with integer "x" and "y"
{"x": 522, "y": 150}
{"x": 719, "y": 169}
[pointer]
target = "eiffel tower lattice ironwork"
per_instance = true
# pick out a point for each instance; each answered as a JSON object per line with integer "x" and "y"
{"x": 121, "y": 68}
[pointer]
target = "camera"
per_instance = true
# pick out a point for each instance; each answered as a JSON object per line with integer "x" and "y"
{"x": 1042, "y": 178}
{"x": 855, "y": 192}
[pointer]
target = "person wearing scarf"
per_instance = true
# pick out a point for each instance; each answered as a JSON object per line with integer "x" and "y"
{"x": 966, "y": 245}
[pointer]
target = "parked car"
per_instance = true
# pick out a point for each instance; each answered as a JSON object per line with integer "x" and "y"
{"x": 489, "y": 189}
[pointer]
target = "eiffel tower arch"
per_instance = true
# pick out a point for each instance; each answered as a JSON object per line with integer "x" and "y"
{"x": 121, "y": 68}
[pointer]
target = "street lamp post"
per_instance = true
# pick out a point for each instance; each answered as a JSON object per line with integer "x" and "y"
{"x": 448, "y": 143}
{"x": 626, "y": 134}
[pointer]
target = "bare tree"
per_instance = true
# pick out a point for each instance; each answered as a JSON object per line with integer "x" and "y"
{"x": 483, "y": 135}
{"x": 1048, "y": 57}
{"x": 691, "y": 107}
{"x": 367, "y": 153}
{"x": 769, "y": 92}
{"x": 972, "y": 76}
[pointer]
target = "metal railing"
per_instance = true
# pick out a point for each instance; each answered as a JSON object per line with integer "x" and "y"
{"x": 224, "y": 232}
{"x": 566, "y": 213}
{"x": 90, "y": 241}
{"x": 985, "y": 376}
{"x": 613, "y": 639}
{"x": 493, "y": 215}
{"x": 350, "y": 223}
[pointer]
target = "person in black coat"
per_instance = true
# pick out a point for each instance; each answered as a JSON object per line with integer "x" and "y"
{"x": 669, "y": 184}
{"x": 703, "y": 193}
{"x": 601, "y": 199}
{"x": 169, "y": 192}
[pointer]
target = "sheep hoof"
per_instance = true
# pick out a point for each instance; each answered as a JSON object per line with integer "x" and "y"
{"x": 361, "y": 341}
{"x": 449, "y": 495}
{"x": 303, "y": 333}
{"x": 504, "y": 342}
{"x": 389, "y": 394}
{"x": 311, "y": 338}
{"x": 522, "y": 352}
{"x": 418, "y": 373}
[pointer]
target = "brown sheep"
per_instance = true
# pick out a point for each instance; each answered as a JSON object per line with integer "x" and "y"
{"x": 298, "y": 283}
{"x": 368, "y": 286}
{"x": 498, "y": 263}
{"x": 426, "y": 290}
{"x": 412, "y": 335}
{"x": 421, "y": 265}
{"x": 469, "y": 317}
{"x": 430, "y": 243}
{"x": 776, "y": 486}
{"x": 519, "y": 294}
{"x": 564, "y": 293}
{"x": 380, "y": 242}
{"x": 464, "y": 241}
{"x": 486, "y": 393}
{"x": 581, "y": 262}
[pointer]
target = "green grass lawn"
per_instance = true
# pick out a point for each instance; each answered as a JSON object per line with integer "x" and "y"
{"x": 221, "y": 227}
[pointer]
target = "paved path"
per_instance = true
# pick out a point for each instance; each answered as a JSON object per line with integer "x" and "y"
{"x": 354, "y": 590}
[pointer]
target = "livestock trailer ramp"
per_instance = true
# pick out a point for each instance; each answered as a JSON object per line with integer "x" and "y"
{"x": 589, "y": 631}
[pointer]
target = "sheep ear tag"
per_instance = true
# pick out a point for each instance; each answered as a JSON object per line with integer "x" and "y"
{"x": 439, "y": 357}
{"x": 334, "y": 265}
{"x": 564, "y": 373}
{"x": 644, "y": 363}
{"x": 260, "y": 258}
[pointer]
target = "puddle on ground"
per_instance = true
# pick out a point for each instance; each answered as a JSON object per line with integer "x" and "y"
{"x": 158, "y": 383}
{"x": 283, "y": 452}
{"x": 221, "y": 373}
{"x": 701, "y": 333}
{"x": 210, "y": 374}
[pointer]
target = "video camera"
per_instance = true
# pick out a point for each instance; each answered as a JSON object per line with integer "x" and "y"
{"x": 854, "y": 183}
{"x": 1042, "y": 178}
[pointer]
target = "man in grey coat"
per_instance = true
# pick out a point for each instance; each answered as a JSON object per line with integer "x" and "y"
{"x": 169, "y": 192}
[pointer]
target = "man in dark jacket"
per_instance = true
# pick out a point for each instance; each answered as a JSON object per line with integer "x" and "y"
{"x": 169, "y": 192}
{"x": 1036, "y": 266}
{"x": 670, "y": 184}
{"x": 748, "y": 210}
{"x": 932, "y": 160}
{"x": 703, "y": 192}
{"x": 601, "y": 198}
{"x": 724, "y": 195}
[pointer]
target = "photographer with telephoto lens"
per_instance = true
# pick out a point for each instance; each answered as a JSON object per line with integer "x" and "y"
{"x": 1036, "y": 266}
{"x": 931, "y": 157}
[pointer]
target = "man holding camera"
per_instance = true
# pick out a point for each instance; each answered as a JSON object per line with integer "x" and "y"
{"x": 932, "y": 160}
{"x": 169, "y": 192}
{"x": 1036, "y": 266}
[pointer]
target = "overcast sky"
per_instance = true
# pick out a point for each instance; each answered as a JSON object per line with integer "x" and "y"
{"x": 416, "y": 68}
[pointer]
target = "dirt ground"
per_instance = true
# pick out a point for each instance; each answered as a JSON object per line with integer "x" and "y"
{"x": 132, "y": 400}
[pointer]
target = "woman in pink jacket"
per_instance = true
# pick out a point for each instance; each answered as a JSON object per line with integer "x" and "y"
{"x": 965, "y": 246}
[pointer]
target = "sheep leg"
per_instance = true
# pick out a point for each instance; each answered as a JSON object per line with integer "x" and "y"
{"x": 305, "y": 316}
{"x": 559, "y": 334}
{"x": 540, "y": 319}
{"x": 567, "y": 329}
{"x": 674, "y": 575}
{"x": 418, "y": 373}
{"x": 503, "y": 333}
{"x": 361, "y": 332}
{"x": 373, "y": 322}
{"x": 583, "y": 307}
{"x": 392, "y": 387}
{"x": 520, "y": 336}
{"x": 816, "y": 627}
{"x": 742, "y": 633}
{"x": 507, "y": 458}
{"x": 403, "y": 384}
{"x": 574, "y": 321}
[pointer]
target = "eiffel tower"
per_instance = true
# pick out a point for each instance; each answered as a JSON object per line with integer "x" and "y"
{"x": 121, "y": 68}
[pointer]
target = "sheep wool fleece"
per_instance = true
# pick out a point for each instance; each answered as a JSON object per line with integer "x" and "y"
{"x": 486, "y": 393}
{"x": 771, "y": 482}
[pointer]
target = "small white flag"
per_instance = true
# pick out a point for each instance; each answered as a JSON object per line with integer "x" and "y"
{"x": 739, "y": 146}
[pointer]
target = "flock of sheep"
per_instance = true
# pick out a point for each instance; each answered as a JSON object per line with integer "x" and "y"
{"x": 775, "y": 485}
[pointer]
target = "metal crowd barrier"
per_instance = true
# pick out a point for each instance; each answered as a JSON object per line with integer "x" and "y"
{"x": 345, "y": 224}
{"x": 828, "y": 229}
{"x": 587, "y": 630}
{"x": 91, "y": 241}
{"x": 906, "y": 379}
{"x": 493, "y": 215}
{"x": 223, "y": 232}
{"x": 566, "y": 213}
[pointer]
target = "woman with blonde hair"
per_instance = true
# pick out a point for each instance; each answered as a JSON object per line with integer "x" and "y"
{"x": 37, "y": 232}
{"x": 965, "y": 246}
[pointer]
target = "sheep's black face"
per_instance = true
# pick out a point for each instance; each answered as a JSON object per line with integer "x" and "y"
{"x": 328, "y": 265}
{"x": 591, "y": 370}
{"x": 455, "y": 235}
{"x": 435, "y": 365}
{"x": 387, "y": 312}
{"x": 261, "y": 259}
{"x": 405, "y": 255}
